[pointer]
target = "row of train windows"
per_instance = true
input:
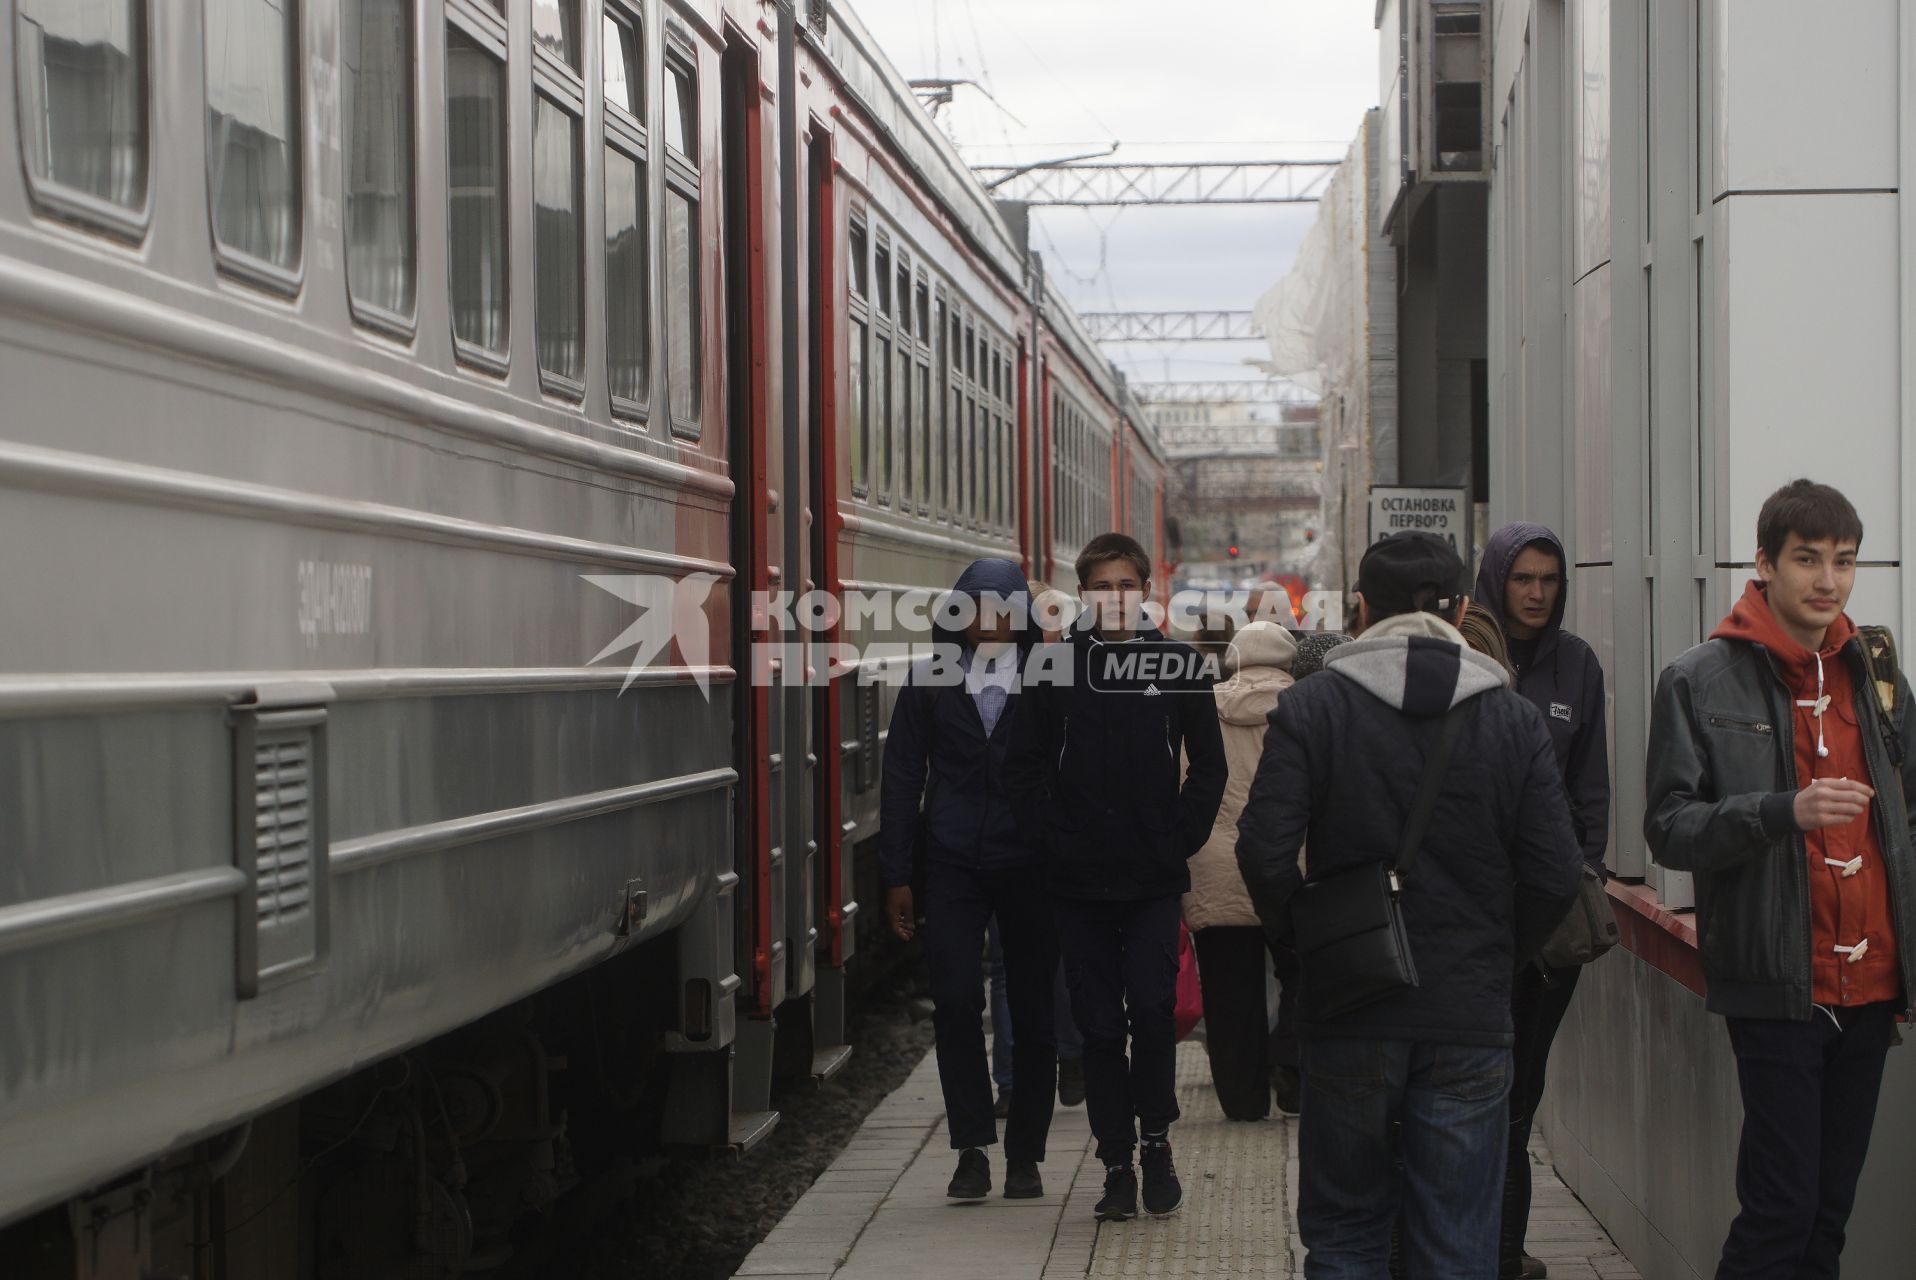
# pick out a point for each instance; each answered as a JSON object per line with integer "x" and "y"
{"x": 1143, "y": 511}
{"x": 82, "y": 66}
{"x": 1080, "y": 474}
{"x": 932, "y": 387}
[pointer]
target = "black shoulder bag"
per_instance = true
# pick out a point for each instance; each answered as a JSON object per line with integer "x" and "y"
{"x": 1352, "y": 949}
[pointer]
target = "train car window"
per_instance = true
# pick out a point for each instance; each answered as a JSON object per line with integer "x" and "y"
{"x": 683, "y": 304}
{"x": 857, "y": 247}
{"x": 81, "y": 76}
{"x": 476, "y": 198}
{"x": 252, "y": 135}
{"x": 627, "y": 282}
{"x": 941, "y": 380}
{"x": 376, "y": 122}
{"x": 881, "y": 414}
{"x": 558, "y": 251}
{"x": 681, "y": 109}
{"x": 856, "y": 258}
{"x": 624, "y": 65}
{"x": 555, "y": 28}
{"x": 628, "y": 229}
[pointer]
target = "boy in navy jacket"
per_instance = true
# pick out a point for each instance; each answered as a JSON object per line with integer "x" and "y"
{"x": 944, "y": 767}
{"x": 1094, "y": 769}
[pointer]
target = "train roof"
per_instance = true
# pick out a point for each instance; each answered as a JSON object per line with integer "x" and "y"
{"x": 871, "y": 80}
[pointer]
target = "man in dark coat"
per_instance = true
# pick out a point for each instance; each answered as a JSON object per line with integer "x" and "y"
{"x": 1524, "y": 582}
{"x": 1095, "y": 770}
{"x": 1496, "y": 870}
{"x": 944, "y": 773}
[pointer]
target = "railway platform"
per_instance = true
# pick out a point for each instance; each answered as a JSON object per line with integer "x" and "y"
{"x": 880, "y": 1210}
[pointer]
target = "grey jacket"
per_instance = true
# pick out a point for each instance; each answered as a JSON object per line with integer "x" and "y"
{"x": 1721, "y": 777}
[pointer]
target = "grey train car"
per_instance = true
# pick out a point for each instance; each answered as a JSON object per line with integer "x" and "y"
{"x": 405, "y": 801}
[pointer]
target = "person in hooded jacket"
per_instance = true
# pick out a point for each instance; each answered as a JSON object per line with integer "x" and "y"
{"x": 944, "y": 779}
{"x": 1524, "y": 584}
{"x": 1496, "y": 871}
{"x": 1249, "y": 1058}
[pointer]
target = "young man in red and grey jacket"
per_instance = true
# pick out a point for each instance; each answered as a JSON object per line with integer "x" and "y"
{"x": 1804, "y": 895}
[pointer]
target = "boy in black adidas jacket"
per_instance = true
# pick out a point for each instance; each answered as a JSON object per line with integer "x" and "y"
{"x": 1094, "y": 768}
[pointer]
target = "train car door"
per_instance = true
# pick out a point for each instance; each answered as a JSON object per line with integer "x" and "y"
{"x": 836, "y": 900}
{"x": 748, "y": 410}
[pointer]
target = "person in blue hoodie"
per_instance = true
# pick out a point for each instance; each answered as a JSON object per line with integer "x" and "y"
{"x": 1524, "y": 581}
{"x": 943, "y": 781}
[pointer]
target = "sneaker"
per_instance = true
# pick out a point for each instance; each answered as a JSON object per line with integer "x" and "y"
{"x": 1288, "y": 1087}
{"x": 1070, "y": 1082}
{"x": 973, "y": 1179}
{"x": 1003, "y": 1109}
{"x": 1022, "y": 1180}
{"x": 1163, "y": 1193}
{"x": 1120, "y": 1201}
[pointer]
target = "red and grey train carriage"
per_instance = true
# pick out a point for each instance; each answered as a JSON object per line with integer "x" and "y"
{"x": 369, "y": 368}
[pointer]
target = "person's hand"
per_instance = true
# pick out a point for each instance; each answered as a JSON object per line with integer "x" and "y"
{"x": 899, "y": 913}
{"x": 1831, "y": 802}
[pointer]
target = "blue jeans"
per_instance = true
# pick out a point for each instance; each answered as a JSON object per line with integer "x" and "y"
{"x": 1451, "y": 1101}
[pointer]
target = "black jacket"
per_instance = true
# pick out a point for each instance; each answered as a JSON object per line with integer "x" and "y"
{"x": 1563, "y": 680}
{"x": 1094, "y": 764}
{"x": 1721, "y": 783}
{"x": 1499, "y": 865}
{"x": 941, "y": 769}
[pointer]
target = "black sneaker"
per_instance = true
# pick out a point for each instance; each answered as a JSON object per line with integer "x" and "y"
{"x": 1163, "y": 1193}
{"x": 1070, "y": 1082}
{"x": 1120, "y": 1202}
{"x": 1022, "y": 1180}
{"x": 1003, "y": 1109}
{"x": 973, "y": 1179}
{"x": 1288, "y": 1088}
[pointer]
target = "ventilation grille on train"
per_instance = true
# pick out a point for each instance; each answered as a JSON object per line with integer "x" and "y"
{"x": 283, "y": 828}
{"x": 279, "y": 832}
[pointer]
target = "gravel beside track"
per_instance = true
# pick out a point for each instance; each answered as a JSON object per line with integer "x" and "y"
{"x": 696, "y": 1219}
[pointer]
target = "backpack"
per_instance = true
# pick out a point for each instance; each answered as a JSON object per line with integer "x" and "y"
{"x": 1880, "y": 661}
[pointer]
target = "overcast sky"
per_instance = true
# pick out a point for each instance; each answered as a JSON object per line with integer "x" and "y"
{"x": 1191, "y": 80}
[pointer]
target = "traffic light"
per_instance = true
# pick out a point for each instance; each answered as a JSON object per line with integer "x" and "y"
{"x": 1233, "y": 553}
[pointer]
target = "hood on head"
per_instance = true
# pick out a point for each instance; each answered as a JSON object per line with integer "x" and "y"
{"x": 997, "y": 577}
{"x": 1259, "y": 644}
{"x": 1501, "y": 552}
{"x": 1257, "y": 663}
{"x": 1417, "y": 663}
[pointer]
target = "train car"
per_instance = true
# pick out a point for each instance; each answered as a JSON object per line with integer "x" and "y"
{"x": 1099, "y": 464}
{"x": 414, "y": 413}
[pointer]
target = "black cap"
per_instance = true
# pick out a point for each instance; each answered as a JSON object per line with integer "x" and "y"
{"x": 1410, "y": 572}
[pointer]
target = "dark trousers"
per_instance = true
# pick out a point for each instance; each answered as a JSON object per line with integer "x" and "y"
{"x": 1242, "y": 1044}
{"x": 959, "y": 900}
{"x": 1121, "y": 965}
{"x": 1448, "y": 1106}
{"x": 1539, "y": 998}
{"x": 1809, "y": 1103}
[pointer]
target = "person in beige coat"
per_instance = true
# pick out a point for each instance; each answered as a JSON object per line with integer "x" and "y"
{"x": 1249, "y": 1059}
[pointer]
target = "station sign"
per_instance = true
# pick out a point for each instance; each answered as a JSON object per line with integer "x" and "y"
{"x": 1444, "y": 512}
